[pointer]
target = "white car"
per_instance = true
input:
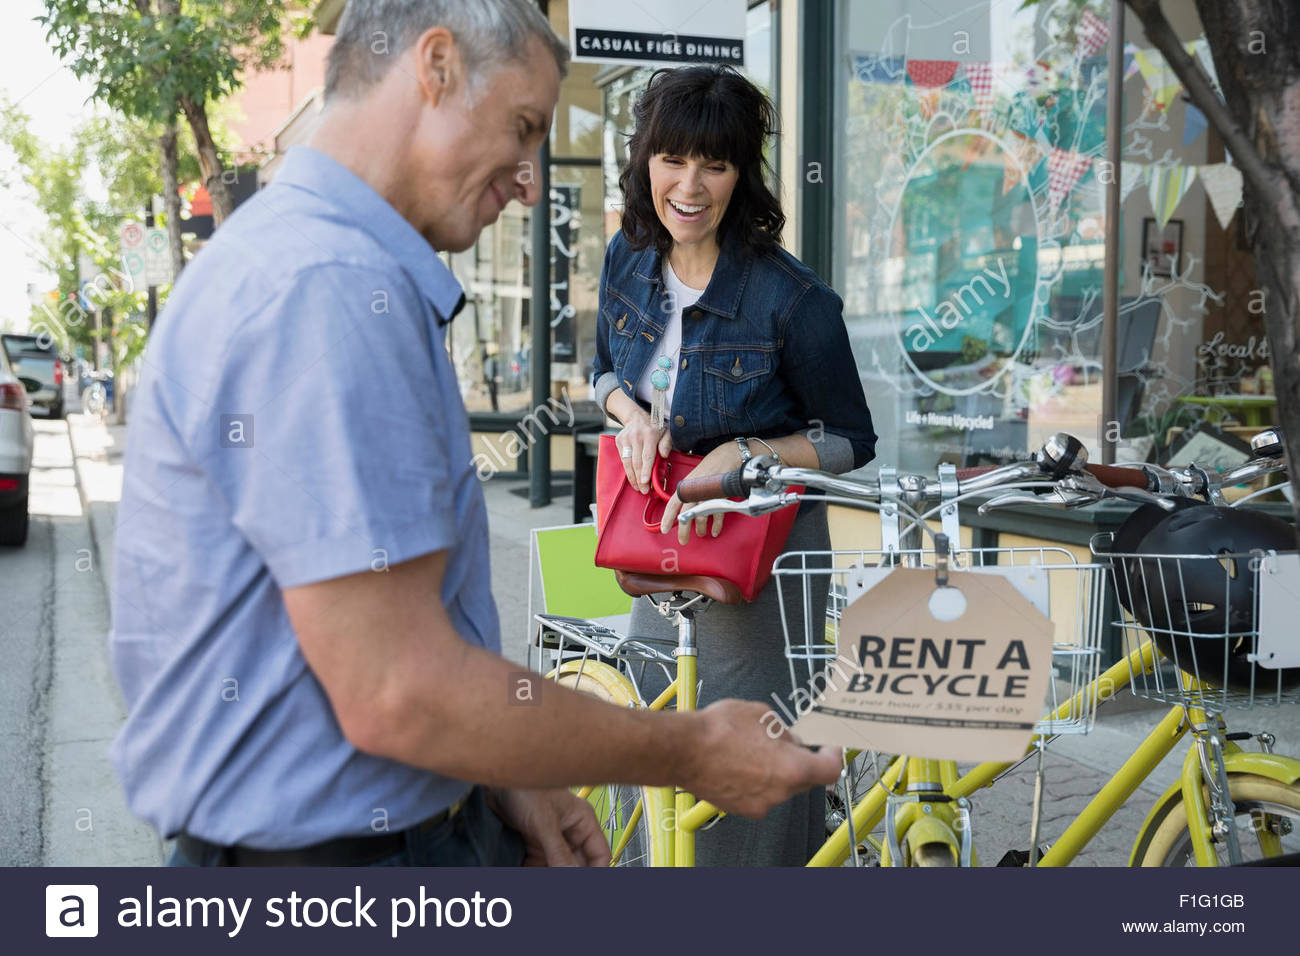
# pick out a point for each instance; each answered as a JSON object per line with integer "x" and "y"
{"x": 16, "y": 441}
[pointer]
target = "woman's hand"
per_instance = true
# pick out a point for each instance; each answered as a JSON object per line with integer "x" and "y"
{"x": 724, "y": 458}
{"x": 639, "y": 443}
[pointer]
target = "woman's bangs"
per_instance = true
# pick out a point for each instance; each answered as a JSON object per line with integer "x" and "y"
{"x": 698, "y": 128}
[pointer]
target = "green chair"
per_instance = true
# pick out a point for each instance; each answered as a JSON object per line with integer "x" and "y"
{"x": 570, "y": 583}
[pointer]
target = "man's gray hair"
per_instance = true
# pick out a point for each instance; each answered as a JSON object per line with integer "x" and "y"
{"x": 488, "y": 33}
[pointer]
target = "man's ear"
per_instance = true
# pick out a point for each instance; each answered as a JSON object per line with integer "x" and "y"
{"x": 438, "y": 66}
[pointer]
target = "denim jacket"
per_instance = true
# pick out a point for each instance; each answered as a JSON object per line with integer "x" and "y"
{"x": 764, "y": 353}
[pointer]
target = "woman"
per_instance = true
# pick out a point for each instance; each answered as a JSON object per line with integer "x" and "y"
{"x": 759, "y": 362}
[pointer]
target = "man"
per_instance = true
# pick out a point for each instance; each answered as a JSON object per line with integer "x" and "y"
{"x": 302, "y": 620}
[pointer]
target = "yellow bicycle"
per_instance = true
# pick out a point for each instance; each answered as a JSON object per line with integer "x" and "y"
{"x": 1228, "y": 805}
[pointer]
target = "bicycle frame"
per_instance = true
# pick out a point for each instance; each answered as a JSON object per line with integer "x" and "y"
{"x": 920, "y": 821}
{"x": 869, "y": 811}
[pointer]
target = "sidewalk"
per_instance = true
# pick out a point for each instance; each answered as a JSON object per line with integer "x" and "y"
{"x": 1075, "y": 769}
{"x": 89, "y": 823}
{"x": 98, "y": 450}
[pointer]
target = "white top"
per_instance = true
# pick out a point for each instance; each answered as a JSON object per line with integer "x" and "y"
{"x": 682, "y": 297}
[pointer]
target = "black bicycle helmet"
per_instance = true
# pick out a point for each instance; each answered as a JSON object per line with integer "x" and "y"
{"x": 1190, "y": 605}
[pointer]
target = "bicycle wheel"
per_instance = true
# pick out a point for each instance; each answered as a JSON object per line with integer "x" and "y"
{"x": 862, "y": 774}
{"x": 1267, "y": 821}
{"x": 618, "y": 806}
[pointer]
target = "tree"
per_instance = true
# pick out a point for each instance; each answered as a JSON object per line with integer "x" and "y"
{"x": 1256, "y": 49}
{"x": 155, "y": 59}
{"x": 77, "y": 227}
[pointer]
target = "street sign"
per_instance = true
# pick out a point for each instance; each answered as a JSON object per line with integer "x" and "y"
{"x": 667, "y": 32}
{"x": 145, "y": 257}
{"x": 157, "y": 258}
{"x": 131, "y": 238}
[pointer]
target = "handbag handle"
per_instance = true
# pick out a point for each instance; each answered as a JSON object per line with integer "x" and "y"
{"x": 660, "y": 483}
{"x": 660, "y": 493}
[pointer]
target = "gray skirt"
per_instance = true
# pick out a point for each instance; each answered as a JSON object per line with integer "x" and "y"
{"x": 742, "y": 655}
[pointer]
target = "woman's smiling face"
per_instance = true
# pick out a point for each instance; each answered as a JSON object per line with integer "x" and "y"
{"x": 691, "y": 194}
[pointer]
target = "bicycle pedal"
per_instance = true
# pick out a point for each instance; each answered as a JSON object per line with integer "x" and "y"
{"x": 1021, "y": 857}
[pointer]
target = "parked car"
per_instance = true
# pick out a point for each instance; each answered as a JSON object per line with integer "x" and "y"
{"x": 36, "y": 358}
{"x": 16, "y": 441}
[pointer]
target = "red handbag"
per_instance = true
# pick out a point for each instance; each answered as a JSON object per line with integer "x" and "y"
{"x": 628, "y": 536}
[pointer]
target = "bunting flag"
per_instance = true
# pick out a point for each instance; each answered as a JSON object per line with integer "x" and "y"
{"x": 1167, "y": 185}
{"x": 982, "y": 78}
{"x": 1222, "y": 184}
{"x": 1201, "y": 48}
{"x": 1130, "y": 59}
{"x": 1162, "y": 82}
{"x": 1194, "y": 124}
{"x": 1065, "y": 168}
{"x": 931, "y": 74}
{"x": 879, "y": 68}
{"x": 1092, "y": 33}
{"x": 1130, "y": 175}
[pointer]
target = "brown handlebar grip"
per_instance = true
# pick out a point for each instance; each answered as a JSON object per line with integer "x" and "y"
{"x": 965, "y": 474}
{"x": 1116, "y": 476}
{"x": 701, "y": 489}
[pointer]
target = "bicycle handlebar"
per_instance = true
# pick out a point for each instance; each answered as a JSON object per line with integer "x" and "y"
{"x": 1061, "y": 457}
{"x": 1118, "y": 476}
{"x": 729, "y": 485}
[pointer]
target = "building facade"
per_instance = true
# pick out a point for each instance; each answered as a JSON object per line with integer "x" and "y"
{"x": 945, "y": 165}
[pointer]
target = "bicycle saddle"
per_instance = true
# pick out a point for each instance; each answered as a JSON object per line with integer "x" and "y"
{"x": 638, "y": 585}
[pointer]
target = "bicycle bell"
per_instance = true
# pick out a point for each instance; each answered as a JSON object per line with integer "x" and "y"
{"x": 1267, "y": 444}
{"x": 1062, "y": 454}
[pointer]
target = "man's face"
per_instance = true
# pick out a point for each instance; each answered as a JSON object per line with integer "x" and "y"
{"x": 470, "y": 159}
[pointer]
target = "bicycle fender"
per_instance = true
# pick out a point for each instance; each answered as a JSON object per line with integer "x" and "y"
{"x": 618, "y": 687}
{"x": 928, "y": 829}
{"x": 1277, "y": 767}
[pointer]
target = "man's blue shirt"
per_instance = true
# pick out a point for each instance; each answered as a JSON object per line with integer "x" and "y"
{"x": 298, "y": 419}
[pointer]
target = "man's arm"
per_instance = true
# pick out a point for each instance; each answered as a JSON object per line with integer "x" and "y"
{"x": 404, "y": 685}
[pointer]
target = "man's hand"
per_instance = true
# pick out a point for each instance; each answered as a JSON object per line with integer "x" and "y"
{"x": 747, "y": 761}
{"x": 559, "y": 828}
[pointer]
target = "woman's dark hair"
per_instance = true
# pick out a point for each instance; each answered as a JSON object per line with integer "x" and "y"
{"x": 715, "y": 113}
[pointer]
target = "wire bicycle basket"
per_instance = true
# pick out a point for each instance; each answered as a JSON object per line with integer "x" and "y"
{"x": 1204, "y": 612}
{"x": 815, "y": 587}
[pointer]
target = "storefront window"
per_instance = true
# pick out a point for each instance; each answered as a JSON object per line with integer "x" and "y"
{"x": 971, "y": 173}
{"x": 491, "y": 343}
{"x": 1194, "y": 372}
{"x": 969, "y": 246}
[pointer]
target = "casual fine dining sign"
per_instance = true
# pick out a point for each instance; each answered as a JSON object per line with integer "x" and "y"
{"x": 906, "y": 682}
{"x": 665, "y": 32}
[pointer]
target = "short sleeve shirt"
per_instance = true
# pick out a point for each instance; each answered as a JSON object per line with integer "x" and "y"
{"x": 298, "y": 419}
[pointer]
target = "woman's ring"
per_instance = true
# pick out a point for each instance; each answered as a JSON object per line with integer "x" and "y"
{"x": 627, "y": 451}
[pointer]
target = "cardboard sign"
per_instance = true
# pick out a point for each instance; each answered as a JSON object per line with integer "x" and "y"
{"x": 904, "y": 681}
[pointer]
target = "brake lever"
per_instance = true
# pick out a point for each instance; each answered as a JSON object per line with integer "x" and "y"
{"x": 1056, "y": 498}
{"x": 1085, "y": 482}
{"x": 755, "y": 504}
